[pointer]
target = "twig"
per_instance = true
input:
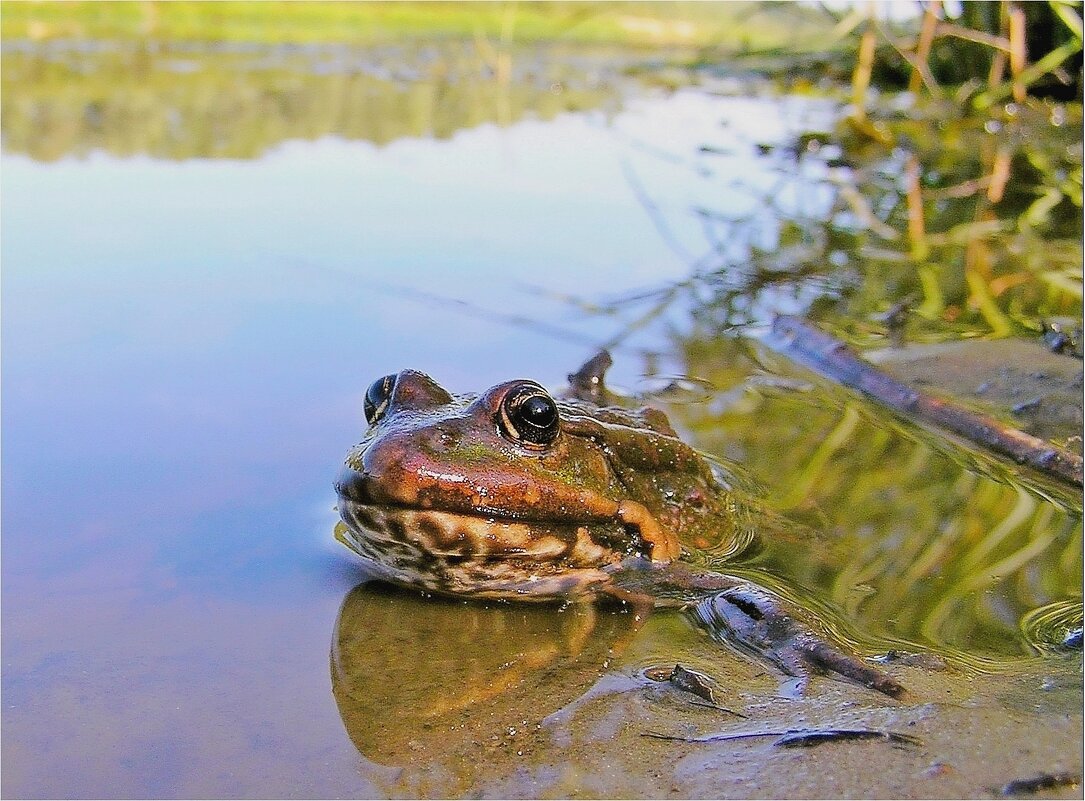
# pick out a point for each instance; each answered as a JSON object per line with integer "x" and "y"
{"x": 654, "y": 214}
{"x": 979, "y": 37}
{"x": 1018, "y": 55}
{"x": 923, "y": 47}
{"x": 829, "y": 356}
{"x": 793, "y": 738}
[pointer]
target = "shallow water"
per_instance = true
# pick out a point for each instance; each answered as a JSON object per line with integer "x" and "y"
{"x": 196, "y": 292}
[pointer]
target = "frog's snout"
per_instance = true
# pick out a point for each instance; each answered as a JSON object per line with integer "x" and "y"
{"x": 391, "y": 470}
{"x": 353, "y": 486}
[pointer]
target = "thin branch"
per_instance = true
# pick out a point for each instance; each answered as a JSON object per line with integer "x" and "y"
{"x": 791, "y": 738}
{"x": 972, "y": 35}
{"x": 654, "y": 214}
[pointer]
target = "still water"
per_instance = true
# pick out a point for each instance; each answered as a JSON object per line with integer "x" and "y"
{"x": 196, "y": 292}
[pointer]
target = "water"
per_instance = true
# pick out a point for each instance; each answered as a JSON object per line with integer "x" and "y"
{"x": 198, "y": 286}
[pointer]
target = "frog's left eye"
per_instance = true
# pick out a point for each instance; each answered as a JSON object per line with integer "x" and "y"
{"x": 529, "y": 416}
{"x": 377, "y": 397}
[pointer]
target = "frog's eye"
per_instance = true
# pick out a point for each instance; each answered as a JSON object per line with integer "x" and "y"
{"x": 529, "y": 416}
{"x": 377, "y": 397}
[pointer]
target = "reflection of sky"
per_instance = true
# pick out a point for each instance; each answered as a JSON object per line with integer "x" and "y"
{"x": 184, "y": 351}
{"x": 225, "y": 316}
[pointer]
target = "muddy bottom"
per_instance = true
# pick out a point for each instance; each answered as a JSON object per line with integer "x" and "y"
{"x": 514, "y": 702}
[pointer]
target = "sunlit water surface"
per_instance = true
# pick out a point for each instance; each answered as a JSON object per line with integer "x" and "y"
{"x": 186, "y": 340}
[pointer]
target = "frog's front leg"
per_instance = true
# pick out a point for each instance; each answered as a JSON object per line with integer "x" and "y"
{"x": 747, "y": 617}
{"x": 750, "y": 618}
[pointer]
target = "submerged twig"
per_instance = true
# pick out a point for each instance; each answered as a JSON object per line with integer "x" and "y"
{"x": 793, "y": 738}
{"x": 718, "y": 708}
{"x": 829, "y": 356}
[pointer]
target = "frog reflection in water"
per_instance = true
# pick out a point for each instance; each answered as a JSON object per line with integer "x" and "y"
{"x": 514, "y": 495}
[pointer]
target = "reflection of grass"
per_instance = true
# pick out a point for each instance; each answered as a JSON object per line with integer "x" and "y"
{"x": 948, "y": 210}
{"x": 746, "y": 25}
{"x": 175, "y": 104}
{"x": 918, "y": 540}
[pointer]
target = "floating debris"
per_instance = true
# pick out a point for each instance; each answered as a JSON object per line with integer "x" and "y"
{"x": 689, "y": 681}
{"x": 1055, "y": 627}
{"x": 692, "y": 682}
{"x": 1072, "y": 640}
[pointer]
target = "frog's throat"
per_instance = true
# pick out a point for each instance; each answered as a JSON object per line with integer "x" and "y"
{"x": 431, "y": 534}
{"x": 469, "y": 556}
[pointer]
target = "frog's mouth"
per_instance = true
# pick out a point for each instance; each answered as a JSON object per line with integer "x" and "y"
{"x": 397, "y": 527}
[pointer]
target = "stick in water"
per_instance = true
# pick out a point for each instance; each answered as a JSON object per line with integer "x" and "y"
{"x": 827, "y": 355}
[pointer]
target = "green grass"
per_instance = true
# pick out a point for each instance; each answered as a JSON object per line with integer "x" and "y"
{"x": 729, "y": 25}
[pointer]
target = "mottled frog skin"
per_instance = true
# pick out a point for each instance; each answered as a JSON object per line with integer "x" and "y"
{"x": 513, "y": 494}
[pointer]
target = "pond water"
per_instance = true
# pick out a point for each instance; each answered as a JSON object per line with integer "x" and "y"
{"x": 208, "y": 255}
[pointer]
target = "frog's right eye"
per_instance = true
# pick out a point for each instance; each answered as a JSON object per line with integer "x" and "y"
{"x": 529, "y": 416}
{"x": 377, "y": 397}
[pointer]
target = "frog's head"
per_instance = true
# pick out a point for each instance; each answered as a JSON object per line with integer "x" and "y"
{"x": 511, "y": 492}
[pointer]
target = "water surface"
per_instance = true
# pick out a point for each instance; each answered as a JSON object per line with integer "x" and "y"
{"x": 209, "y": 255}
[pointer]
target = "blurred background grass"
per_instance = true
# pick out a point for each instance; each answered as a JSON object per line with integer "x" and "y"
{"x": 739, "y": 25}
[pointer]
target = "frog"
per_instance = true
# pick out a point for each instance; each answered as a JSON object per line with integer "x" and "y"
{"x": 515, "y": 494}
